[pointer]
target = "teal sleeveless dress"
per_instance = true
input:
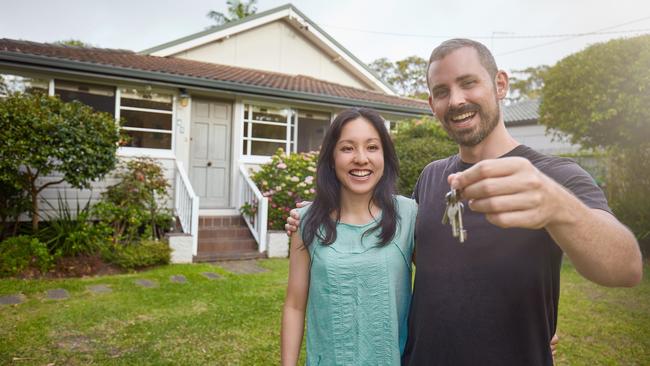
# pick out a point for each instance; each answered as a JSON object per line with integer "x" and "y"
{"x": 359, "y": 294}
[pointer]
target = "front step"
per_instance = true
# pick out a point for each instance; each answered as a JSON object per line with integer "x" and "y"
{"x": 225, "y": 238}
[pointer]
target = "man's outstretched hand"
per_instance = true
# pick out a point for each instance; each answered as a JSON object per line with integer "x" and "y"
{"x": 293, "y": 221}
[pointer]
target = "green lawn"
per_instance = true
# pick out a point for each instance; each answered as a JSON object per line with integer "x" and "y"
{"x": 235, "y": 320}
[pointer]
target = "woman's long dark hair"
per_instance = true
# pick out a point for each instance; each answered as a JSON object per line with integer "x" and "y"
{"x": 319, "y": 223}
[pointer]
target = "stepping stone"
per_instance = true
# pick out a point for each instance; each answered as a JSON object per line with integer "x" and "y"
{"x": 211, "y": 275}
{"x": 146, "y": 283}
{"x": 241, "y": 267}
{"x": 178, "y": 279}
{"x": 100, "y": 289}
{"x": 12, "y": 299}
{"x": 57, "y": 294}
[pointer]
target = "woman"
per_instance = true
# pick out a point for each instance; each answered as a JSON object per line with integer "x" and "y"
{"x": 350, "y": 263}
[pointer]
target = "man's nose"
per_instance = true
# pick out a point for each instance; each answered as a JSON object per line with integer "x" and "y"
{"x": 456, "y": 98}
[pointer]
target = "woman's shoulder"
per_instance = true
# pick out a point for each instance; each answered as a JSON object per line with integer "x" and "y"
{"x": 405, "y": 202}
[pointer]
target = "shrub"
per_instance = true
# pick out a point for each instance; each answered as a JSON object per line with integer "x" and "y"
{"x": 13, "y": 202}
{"x": 72, "y": 233}
{"x": 628, "y": 187}
{"x": 285, "y": 180}
{"x": 19, "y": 253}
{"x": 417, "y": 143}
{"x": 135, "y": 207}
{"x": 42, "y": 135}
{"x": 142, "y": 254}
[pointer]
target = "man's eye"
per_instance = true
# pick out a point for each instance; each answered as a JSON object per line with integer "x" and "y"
{"x": 469, "y": 83}
{"x": 439, "y": 94}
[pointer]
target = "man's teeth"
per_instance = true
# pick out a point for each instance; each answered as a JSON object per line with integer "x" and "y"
{"x": 461, "y": 117}
{"x": 360, "y": 173}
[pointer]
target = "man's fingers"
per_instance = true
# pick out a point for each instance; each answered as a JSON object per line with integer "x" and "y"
{"x": 491, "y": 187}
{"x": 505, "y": 203}
{"x": 490, "y": 168}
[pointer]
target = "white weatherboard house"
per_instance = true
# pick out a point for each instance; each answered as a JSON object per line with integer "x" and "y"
{"x": 209, "y": 106}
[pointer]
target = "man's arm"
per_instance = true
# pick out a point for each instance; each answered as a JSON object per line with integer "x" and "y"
{"x": 513, "y": 193}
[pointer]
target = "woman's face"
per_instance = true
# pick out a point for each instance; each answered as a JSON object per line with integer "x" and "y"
{"x": 358, "y": 158}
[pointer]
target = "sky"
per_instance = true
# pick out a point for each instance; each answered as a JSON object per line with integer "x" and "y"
{"x": 520, "y": 33}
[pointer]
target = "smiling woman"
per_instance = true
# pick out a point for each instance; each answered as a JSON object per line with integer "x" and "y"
{"x": 350, "y": 264}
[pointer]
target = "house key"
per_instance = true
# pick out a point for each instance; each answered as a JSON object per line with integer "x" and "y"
{"x": 454, "y": 215}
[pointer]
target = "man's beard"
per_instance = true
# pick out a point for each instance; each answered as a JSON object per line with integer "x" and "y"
{"x": 472, "y": 136}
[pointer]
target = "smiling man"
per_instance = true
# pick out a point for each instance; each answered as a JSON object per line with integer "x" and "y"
{"x": 493, "y": 300}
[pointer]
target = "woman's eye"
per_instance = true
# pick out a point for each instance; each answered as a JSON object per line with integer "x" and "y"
{"x": 373, "y": 147}
{"x": 346, "y": 148}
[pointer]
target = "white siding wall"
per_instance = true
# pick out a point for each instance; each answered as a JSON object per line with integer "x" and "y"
{"x": 535, "y": 136}
{"x": 73, "y": 195}
{"x": 276, "y": 47}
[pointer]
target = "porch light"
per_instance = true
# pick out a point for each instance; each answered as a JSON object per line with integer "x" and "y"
{"x": 183, "y": 97}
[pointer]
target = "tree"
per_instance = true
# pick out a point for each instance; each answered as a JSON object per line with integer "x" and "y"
{"x": 74, "y": 43}
{"x": 417, "y": 143}
{"x": 407, "y": 76}
{"x": 236, "y": 10}
{"x": 45, "y": 137}
{"x": 600, "y": 96}
{"x": 527, "y": 83}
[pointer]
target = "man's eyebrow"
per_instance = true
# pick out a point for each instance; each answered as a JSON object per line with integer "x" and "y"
{"x": 465, "y": 77}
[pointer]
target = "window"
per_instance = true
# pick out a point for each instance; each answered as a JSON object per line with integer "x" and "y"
{"x": 147, "y": 117}
{"x": 266, "y": 129}
{"x": 311, "y": 129}
{"x": 101, "y": 98}
{"x": 10, "y": 83}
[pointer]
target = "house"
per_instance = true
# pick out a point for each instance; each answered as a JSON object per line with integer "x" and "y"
{"x": 208, "y": 107}
{"x": 521, "y": 119}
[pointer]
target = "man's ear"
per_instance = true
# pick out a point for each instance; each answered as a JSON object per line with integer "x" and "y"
{"x": 502, "y": 84}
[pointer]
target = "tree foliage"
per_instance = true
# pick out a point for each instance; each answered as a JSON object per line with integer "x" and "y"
{"x": 43, "y": 136}
{"x": 600, "y": 96}
{"x": 527, "y": 83}
{"x": 74, "y": 43}
{"x": 417, "y": 143}
{"x": 236, "y": 10}
{"x": 407, "y": 76}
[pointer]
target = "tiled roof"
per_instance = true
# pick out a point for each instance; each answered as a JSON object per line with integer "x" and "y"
{"x": 523, "y": 112}
{"x": 310, "y": 87}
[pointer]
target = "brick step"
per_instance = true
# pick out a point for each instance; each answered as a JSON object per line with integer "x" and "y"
{"x": 224, "y": 232}
{"x": 221, "y": 245}
{"x": 211, "y": 222}
{"x": 228, "y": 256}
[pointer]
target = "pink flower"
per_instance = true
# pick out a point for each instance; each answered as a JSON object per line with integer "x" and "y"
{"x": 311, "y": 190}
{"x": 281, "y": 166}
{"x": 309, "y": 179}
{"x": 295, "y": 179}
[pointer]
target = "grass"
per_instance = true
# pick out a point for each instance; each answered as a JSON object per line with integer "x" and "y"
{"x": 236, "y": 320}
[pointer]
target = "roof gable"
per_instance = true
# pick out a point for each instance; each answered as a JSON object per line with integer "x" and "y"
{"x": 292, "y": 16}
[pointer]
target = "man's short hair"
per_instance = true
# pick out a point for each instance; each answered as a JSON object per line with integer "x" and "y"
{"x": 445, "y": 48}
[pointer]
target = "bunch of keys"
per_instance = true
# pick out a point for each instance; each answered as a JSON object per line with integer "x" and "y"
{"x": 454, "y": 215}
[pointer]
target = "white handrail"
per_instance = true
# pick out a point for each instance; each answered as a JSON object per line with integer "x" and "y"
{"x": 251, "y": 195}
{"x": 186, "y": 206}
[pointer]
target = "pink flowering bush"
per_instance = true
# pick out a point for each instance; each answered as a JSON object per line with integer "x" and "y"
{"x": 285, "y": 180}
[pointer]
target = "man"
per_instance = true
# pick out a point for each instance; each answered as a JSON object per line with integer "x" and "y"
{"x": 493, "y": 300}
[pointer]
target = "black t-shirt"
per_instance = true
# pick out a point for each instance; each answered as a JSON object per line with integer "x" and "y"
{"x": 493, "y": 299}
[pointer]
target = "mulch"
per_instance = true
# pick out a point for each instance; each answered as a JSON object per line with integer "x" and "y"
{"x": 70, "y": 267}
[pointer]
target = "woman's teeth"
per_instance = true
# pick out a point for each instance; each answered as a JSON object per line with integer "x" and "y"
{"x": 360, "y": 173}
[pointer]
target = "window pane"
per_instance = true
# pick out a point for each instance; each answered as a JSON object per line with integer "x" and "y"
{"x": 152, "y": 140}
{"x": 265, "y": 148}
{"x": 311, "y": 130}
{"x": 269, "y": 114}
{"x": 99, "y": 97}
{"x": 158, "y": 121}
{"x": 246, "y": 129}
{"x": 145, "y": 98}
{"x": 269, "y": 131}
{"x": 10, "y": 83}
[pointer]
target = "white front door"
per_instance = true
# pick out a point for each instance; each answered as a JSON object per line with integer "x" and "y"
{"x": 210, "y": 152}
